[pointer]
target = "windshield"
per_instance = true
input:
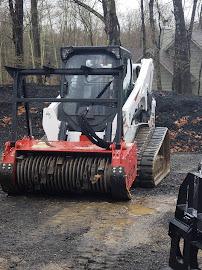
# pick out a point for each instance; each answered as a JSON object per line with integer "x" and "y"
{"x": 89, "y": 86}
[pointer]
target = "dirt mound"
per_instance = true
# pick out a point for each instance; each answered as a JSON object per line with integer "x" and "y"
{"x": 183, "y": 116}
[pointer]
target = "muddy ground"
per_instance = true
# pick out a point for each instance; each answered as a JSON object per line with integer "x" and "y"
{"x": 38, "y": 233}
{"x": 91, "y": 233}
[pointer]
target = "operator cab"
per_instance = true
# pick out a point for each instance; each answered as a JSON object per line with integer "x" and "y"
{"x": 93, "y": 86}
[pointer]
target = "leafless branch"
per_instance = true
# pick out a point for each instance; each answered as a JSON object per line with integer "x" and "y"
{"x": 87, "y": 7}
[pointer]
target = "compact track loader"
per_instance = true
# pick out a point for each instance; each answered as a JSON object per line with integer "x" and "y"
{"x": 100, "y": 133}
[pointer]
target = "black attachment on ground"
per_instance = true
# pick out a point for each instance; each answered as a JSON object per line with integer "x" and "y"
{"x": 185, "y": 229}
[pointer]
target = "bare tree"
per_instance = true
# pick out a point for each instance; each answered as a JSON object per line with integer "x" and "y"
{"x": 191, "y": 25}
{"x": 110, "y": 19}
{"x": 112, "y": 26}
{"x": 35, "y": 33}
{"x": 1, "y": 65}
{"x": 200, "y": 19}
{"x": 16, "y": 13}
{"x": 200, "y": 71}
{"x": 87, "y": 7}
{"x": 199, "y": 79}
{"x": 85, "y": 17}
{"x": 182, "y": 75}
{"x": 143, "y": 29}
{"x": 48, "y": 8}
{"x": 156, "y": 45}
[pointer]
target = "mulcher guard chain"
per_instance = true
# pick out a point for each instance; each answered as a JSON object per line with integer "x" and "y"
{"x": 185, "y": 229}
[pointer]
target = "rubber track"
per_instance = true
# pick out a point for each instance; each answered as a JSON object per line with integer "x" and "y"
{"x": 149, "y": 141}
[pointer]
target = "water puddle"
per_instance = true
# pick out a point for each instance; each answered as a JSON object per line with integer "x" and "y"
{"x": 140, "y": 210}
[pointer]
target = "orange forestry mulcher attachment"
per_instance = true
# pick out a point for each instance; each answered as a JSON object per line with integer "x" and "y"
{"x": 34, "y": 166}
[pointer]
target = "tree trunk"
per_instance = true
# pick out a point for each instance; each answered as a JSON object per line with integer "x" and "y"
{"x": 43, "y": 38}
{"x": 200, "y": 71}
{"x": 16, "y": 12}
{"x": 1, "y": 64}
{"x": 87, "y": 23}
{"x": 52, "y": 36}
{"x": 181, "y": 73}
{"x": 31, "y": 48}
{"x": 199, "y": 80}
{"x": 156, "y": 46}
{"x": 191, "y": 26}
{"x": 200, "y": 19}
{"x": 112, "y": 27}
{"x": 35, "y": 33}
{"x": 93, "y": 11}
{"x": 144, "y": 45}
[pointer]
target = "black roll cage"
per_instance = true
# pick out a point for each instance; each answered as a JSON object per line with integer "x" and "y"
{"x": 18, "y": 75}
